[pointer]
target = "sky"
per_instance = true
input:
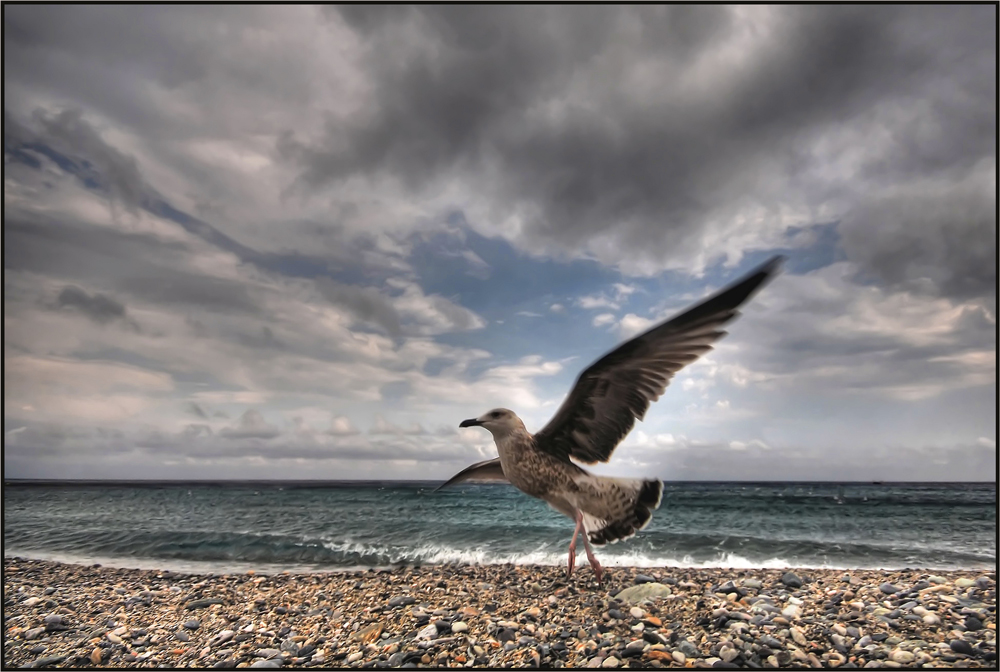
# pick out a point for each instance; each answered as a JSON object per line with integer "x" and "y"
{"x": 276, "y": 242}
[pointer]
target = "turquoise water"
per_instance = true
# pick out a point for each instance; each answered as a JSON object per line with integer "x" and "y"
{"x": 274, "y": 526}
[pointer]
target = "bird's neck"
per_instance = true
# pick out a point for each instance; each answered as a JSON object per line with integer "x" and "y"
{"x": 510, "y": 444}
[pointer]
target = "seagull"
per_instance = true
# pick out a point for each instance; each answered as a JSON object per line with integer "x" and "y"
{"x": 601, "y": 409}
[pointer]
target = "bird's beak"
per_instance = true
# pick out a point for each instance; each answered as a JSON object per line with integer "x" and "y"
{"x": 471, "y": 422}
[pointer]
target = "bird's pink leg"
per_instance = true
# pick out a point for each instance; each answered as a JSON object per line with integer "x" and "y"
{"x": 572, "y": 544}
{"x": 590, "y": 556}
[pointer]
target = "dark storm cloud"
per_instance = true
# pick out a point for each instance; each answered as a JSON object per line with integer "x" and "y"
{"x": 945, "y": 242}
{"x": 98, "y": 307}
{"x": 69, "y": 140}
{"x": 137, "y": 264}
{"x": 365, "y": 303}
{"x": 638, "y": 118}
{"x": 98, "y": 164}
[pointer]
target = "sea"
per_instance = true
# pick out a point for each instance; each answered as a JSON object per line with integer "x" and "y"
{"x": 213, "y": 527}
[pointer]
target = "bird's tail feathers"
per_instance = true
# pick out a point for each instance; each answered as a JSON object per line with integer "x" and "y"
{"x": 616, "y": 508}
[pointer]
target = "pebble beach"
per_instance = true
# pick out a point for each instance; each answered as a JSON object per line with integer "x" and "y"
{"x": 63, "y": 615}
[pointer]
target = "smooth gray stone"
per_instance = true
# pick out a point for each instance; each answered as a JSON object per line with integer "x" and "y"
{"x": 688, "y": 649}
{"x": 791, "y": 580}
{"x": 962, "y": 646}
{"x": 645, "y": 591}
{"x": 200, "y": 604}
{"x": 48, "y": 660}
{"x": 771, "y": 642}
{"x": 401, "y": 601}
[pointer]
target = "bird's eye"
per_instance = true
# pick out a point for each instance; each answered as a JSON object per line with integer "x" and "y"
{"x": 495, "y": 414}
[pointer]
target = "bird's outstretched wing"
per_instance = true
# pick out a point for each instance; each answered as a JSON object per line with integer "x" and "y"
{"x": 488, "y": 470}
{"x": 618, "y": 388}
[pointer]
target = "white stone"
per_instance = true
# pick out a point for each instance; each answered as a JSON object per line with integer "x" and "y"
{"x": 430, "y": 632}
{"x": 902, "y": 657}
{"x": 459, "y": 626}
{"x": 792, "y": 612}
{"x": 678, "y": 657}
{"x": 610, "y": 662}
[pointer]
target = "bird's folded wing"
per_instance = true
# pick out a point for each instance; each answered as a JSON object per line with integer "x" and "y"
{"x": 488, "y": 470}
{"x": 618, "y": 388}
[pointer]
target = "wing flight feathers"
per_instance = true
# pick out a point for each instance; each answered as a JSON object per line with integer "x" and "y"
{"x": 618, "y": 388}
{"x": 488, "y": 470}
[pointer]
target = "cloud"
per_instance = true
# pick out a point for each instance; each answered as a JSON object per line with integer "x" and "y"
{"x": 345, "y": 212}
{"x": 251, "y": 425}
{"x": 194, "y": 409}
{"x": 98, "y": 307}
{"x": 597, "y": 301}
{"x": 342, "y": 426}
{"x": 936, "y": 235}
{"x": 600, "y": 132}
{"x": 603, "y": 319}
{"x": 383, "y": 426}
{"x": 366, "y": 303}
{"x": 633, "y": 325}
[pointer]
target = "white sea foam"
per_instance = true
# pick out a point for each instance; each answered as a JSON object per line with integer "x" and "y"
{"x": 552, "y": 556}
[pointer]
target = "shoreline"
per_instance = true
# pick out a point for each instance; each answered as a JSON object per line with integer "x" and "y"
{"x": 68, "y": 615}
{"x": 214, "y": 568}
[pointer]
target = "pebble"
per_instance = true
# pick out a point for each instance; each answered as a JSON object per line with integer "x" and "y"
{"x": 962, "y": 646}
{"x": 645, "y": 591}
{"x": 326, "y": 620}
{"x": 402, "y": 601}
{"x": 791, "y": 580}
{"x": 902, "y": 657}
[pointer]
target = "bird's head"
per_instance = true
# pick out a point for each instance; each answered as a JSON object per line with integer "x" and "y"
{"x": 499, "y": 421}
